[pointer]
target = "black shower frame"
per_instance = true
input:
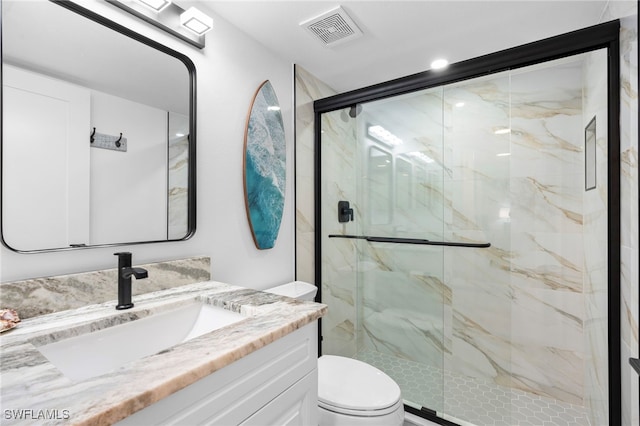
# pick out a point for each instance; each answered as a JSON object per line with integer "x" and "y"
{"x": 606, "y": 35}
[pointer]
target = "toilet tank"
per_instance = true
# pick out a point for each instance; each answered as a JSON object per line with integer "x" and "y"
{"x": 298, "y": 290}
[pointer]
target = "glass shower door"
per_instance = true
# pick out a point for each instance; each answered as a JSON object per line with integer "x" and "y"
{"x": 477, "y": 121}
{"x": 402, "y": 294}
{"x": 339, "y": 287}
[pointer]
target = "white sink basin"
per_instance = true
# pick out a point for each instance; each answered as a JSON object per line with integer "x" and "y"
{"x": 99, "y": 352}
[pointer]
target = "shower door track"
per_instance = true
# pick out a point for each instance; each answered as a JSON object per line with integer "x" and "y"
{"x": 417, "y": 241}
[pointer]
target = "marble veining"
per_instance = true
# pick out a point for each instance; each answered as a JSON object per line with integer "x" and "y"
{"x": 307, "y": 89}
{"x": 30, "y": 382}
{"x": 40, "y": 296}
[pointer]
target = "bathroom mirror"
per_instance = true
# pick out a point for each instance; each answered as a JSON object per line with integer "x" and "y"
{"x": 98, "y": 132}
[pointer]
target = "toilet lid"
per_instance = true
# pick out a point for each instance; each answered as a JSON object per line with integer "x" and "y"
{"x": 354, "y": 385}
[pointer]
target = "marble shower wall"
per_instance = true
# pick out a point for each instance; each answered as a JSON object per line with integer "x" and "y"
{"x": 629, "y": 217}
{"x": 596, "y": 380}
{"x": 479, "y": 208}
{"x": 339, "y": 289}
{"x": 513, "y": 314}
{"x": 307, "y": 89}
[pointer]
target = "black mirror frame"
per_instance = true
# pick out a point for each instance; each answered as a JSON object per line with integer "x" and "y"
{"x": 191, "y": 179}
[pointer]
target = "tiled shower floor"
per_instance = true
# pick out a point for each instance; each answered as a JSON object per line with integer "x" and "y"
{"x": 471, "y": 401}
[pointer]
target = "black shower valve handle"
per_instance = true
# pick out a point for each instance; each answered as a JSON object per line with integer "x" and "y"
{"x": 345, "y": 213}
{"x": 348, "y": 212}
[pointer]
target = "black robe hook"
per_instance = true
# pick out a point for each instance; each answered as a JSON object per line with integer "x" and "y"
{"x": 93, "y": 134}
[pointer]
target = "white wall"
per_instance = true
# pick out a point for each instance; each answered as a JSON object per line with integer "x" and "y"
{"x": 229, "y": 70}
{"x": 133, "y": 183}
{"x": 44, "y": 134}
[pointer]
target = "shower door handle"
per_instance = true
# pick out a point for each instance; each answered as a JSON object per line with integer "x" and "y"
{"x": 417, "y": 241}
{"x": 425, "y": 242}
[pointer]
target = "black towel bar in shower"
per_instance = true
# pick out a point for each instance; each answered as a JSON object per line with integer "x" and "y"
{"x": 418, "y": 241}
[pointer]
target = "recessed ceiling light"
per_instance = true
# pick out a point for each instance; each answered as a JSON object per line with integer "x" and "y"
{"x": 460, "y": 104}
{"x": 439, "y": 64}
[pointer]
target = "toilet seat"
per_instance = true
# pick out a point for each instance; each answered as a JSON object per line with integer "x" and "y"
{"x": 352, "y": 387}
{"x": 360, "y": 413}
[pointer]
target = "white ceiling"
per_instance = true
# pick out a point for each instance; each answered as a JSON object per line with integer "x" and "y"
{"x": 402, "y": 37}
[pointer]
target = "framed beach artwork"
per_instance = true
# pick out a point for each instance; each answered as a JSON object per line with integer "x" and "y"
{"x": 264, "y": 167}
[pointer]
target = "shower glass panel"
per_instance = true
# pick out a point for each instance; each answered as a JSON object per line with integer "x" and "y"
{"x": 477, "y": 358}
{"x": 340, "y": 166}
{"x": 387, "y": 300}
{"x": 402, "y": 292}
{"x": 474, "y": 270}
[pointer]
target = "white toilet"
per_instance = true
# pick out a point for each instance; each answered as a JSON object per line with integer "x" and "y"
{"x": 350, "y": 392}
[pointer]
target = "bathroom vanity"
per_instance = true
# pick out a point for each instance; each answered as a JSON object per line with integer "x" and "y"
{"x": 258, "y": 368}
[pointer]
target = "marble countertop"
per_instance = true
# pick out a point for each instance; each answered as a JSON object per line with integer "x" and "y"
{"x": 29, "y": 382}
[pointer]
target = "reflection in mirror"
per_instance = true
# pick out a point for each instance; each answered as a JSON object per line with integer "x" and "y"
{"x": 97, "y": 138}
{"x": 380, "y": 176}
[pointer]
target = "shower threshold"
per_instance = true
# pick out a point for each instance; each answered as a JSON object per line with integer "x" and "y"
{"x": 470, "y": 401}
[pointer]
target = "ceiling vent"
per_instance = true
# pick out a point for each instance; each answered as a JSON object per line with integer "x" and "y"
{"x": 333, "y": 27}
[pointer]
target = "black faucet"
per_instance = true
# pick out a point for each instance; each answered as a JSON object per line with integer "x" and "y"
{"x": 125, "y": 272}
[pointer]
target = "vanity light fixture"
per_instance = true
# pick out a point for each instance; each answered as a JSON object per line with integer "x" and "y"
{"x": 196, "y": 21}
{"x": 155, "y": 5}
{"x": 189, "y": 26}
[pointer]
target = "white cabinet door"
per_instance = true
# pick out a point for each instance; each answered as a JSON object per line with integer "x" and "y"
{"x": 297, "y": 406}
